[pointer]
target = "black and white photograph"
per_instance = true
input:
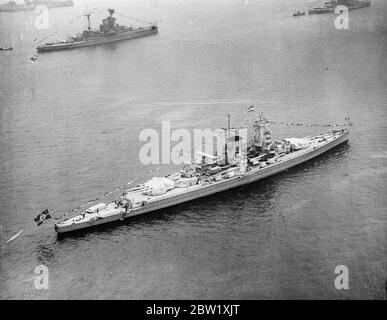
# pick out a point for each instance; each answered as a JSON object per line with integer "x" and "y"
{"x": 193, "y": 150}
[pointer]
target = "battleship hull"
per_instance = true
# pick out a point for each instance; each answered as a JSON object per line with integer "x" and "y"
{"x": 332, "y": 9}
{"x": 94, "y": 42}
{"x": 199, "y": 191}
{"x": 48, "y": 4}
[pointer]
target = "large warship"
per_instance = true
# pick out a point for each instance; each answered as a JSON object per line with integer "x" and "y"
{"x": 109, "y": 31}
{"x": 11, "y": 5}
{"x": 331, "y": 6}
{"x": 240, "y": 163}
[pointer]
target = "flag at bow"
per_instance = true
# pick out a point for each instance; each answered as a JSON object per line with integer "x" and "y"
{"x": 44, "y": 215}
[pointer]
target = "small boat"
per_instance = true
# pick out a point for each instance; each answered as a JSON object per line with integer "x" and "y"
{"x": 298, "y": 13}
{"x": 6, "y": 48}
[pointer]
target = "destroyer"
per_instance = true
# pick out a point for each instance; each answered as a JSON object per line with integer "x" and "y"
{"x": 241, "y": 163}
{"x": 109, "y": 31}
{"x": 32, "y": 4}
{"x": 331, "y": 5}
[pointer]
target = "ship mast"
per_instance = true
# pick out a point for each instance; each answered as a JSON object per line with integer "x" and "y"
{"x": 227, "y": 139}
{"x": 88, "y": 21}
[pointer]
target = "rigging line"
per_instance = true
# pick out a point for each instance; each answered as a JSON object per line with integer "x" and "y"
{"x": 308, "y": 124}
{"x": 77, "y": 18}
{"x": 347, "y": 119}
{"x": 106, "y": 194}
{"x": 55, "y": 32}
{"x": 131, "y": 18}
{"x": 311, "y": 5}
{"x": 95, "y": 9}
{"x": 46, "y": 37}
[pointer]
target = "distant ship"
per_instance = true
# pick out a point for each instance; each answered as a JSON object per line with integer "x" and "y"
{"x": 32, "y": 4}
{"x": 331, "y": 5}
{"x": 6, "y": 48}
{"x": 109, "y": 31}
{"x": 298, "y": 14}
{"x": 214, "y": 173}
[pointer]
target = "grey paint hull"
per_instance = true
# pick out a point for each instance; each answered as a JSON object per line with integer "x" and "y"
{"x": 111, "y": 39}
{"x": 211, "y": 189}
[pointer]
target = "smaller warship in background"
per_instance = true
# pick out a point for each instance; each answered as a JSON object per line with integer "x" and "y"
{"x": 32, "y": 4}
{"x": 331, "y": 6}
{"x": 109, "y": 31}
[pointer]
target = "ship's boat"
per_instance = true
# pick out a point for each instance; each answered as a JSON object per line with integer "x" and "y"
{"x": 331, "y": 6}
{"x": 11, "y": 6}
{"x": 6, "y": 48}
{"x": 297, "y": 144}
{"x": 109, "y": 32}
{"x": 264, "y": 157}
{"x": 95, "y": 208}
{"x": 158, "y": 185}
